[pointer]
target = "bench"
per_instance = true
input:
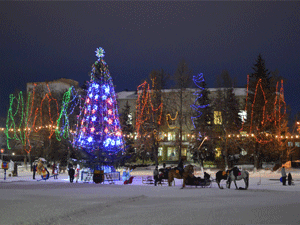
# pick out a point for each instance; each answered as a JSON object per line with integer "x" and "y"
{"x": 164, "y": 181}
{"x": 147, "y": 180}
{"x": 108, "y": 178}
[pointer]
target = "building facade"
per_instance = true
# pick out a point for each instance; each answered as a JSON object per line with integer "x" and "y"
{"x": 173, "y": 103}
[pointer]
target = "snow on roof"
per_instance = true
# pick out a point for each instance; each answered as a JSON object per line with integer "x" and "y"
{"x": 133, "y": 94}
{"x": 127, "y": 95}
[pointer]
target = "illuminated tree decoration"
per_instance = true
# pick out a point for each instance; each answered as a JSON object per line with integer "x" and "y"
{"x": 71, "y": 99}
{"x": 99, "y": 127}
{"x": 145, "y": 109}
{"x": 198, "y": 104}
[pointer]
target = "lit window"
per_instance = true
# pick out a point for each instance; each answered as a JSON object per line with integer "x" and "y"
{"x": 160, "y": 151}
{"x": 171, "y": 136}
{"x": 129, "y": 120}
{"x": 297, "y": 144}
{"x": 172, "y": 154}
{"x": 217, "y": 117}
{"x": 290, "y": 144}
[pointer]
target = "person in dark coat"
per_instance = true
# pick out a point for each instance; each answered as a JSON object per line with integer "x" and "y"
{"x": 53, "y": 168}
{"x": 34, "y": 171}
{"x": 290, "y": 179}
{"x": 180, "y": 167}
{"x": 71, "y": 173}
{"x": 283, "y": 175}
{"x": 155, "y": 175}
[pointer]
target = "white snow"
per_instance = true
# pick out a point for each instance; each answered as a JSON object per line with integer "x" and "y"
{"x": 25, "y": 201}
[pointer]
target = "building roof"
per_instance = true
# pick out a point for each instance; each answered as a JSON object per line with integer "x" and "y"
{"x": 133, "y": 94}
{"x": 127, "y": 95}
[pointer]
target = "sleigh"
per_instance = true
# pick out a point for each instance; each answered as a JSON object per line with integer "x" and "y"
{"x": 198, "y": 181}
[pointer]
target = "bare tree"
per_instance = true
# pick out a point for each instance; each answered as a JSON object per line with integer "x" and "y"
{"x": 183, "y": 81}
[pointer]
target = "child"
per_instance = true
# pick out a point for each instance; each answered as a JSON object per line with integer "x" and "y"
{"x": 55, "y": 173}
{"x": 77, "y": 173}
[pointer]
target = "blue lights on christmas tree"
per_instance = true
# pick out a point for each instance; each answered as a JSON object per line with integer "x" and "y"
{"x": 99, "y": 128}
{"x": 198, "y": 104}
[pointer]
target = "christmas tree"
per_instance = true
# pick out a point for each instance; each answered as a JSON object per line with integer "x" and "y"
{"x": 99, "y": 132}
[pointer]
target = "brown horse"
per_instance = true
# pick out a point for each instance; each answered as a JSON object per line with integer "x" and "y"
{"x": 221, "y": 175}
{"x": 174, "y": 173}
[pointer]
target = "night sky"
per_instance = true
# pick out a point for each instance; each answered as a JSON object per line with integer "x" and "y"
{"x": 43, "y": 41}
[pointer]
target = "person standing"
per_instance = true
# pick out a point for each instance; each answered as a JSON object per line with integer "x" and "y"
{"x": 180, "y": 167}
{"x": 57, "y": 168}
{"x": 71, "y": 173}
{"x": 283, "y": 175}
{"x": 33, "y": 171}
{"x": 155, "y": 175}
{"x": 290, "y": 179}
{"x": 77, "y": 173}
{"x": 55, "y": 173}
{"x": 53, "y": 168}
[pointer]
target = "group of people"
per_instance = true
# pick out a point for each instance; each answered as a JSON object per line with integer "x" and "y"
{"x": 74, "y": 173}
{"x": 55, "y": 169}
{"x": 283, "y": 175}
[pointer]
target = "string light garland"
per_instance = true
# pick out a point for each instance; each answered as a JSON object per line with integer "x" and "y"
{"x": 173, "y": 119}
{"x": 144, "y": 107}
{"x": 71, "y": 100}
{"x": 276, "y": 116}
{"x": 198, "y": 81}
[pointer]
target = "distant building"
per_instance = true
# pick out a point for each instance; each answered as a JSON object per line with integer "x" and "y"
{"x": 168, "y": 147}
{"x": 60, "y": 85}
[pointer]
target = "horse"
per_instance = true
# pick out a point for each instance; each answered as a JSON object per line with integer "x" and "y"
{"x": 242, "y": 175}
{"x": 221, "y": 175}
{"x": 174, "y": 173}
{"x": 163, "y": 174}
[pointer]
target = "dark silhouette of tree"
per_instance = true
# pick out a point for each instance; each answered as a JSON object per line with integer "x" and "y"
{"x": 183, "y": 81}
{"x": 226, "y": 116}
{"x": 126, "y": 122}
{"x": 202, "y": 121}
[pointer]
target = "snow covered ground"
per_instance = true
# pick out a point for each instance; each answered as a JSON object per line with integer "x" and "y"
{"x": 267, "y": 201}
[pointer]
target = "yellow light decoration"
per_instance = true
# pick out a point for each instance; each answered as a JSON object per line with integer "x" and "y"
{"x": 169, "y": 116}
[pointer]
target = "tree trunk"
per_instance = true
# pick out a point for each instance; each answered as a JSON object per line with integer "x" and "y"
{"x": 256, "y": 156}
{"x": 25, "y": 161}
{"x": 201, "y": 165}
{"x": 29, "y": 160}
{"x": 226, "y": 155}
{"x": 226, "y": 161}
{"x": 180, "y": 126}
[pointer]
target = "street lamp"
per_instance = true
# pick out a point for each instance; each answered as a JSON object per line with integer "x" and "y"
{"x": 2, "y": 151}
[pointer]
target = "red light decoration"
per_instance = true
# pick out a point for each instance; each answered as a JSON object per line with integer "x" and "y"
{"x": 278, "y": 114}
{"x": 145, "y": 108}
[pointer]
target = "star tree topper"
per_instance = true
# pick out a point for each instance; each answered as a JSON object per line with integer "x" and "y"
{"x": 100, "y": 52}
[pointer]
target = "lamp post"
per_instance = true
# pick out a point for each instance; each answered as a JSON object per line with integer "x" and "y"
{"x": 2, "y": 151}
